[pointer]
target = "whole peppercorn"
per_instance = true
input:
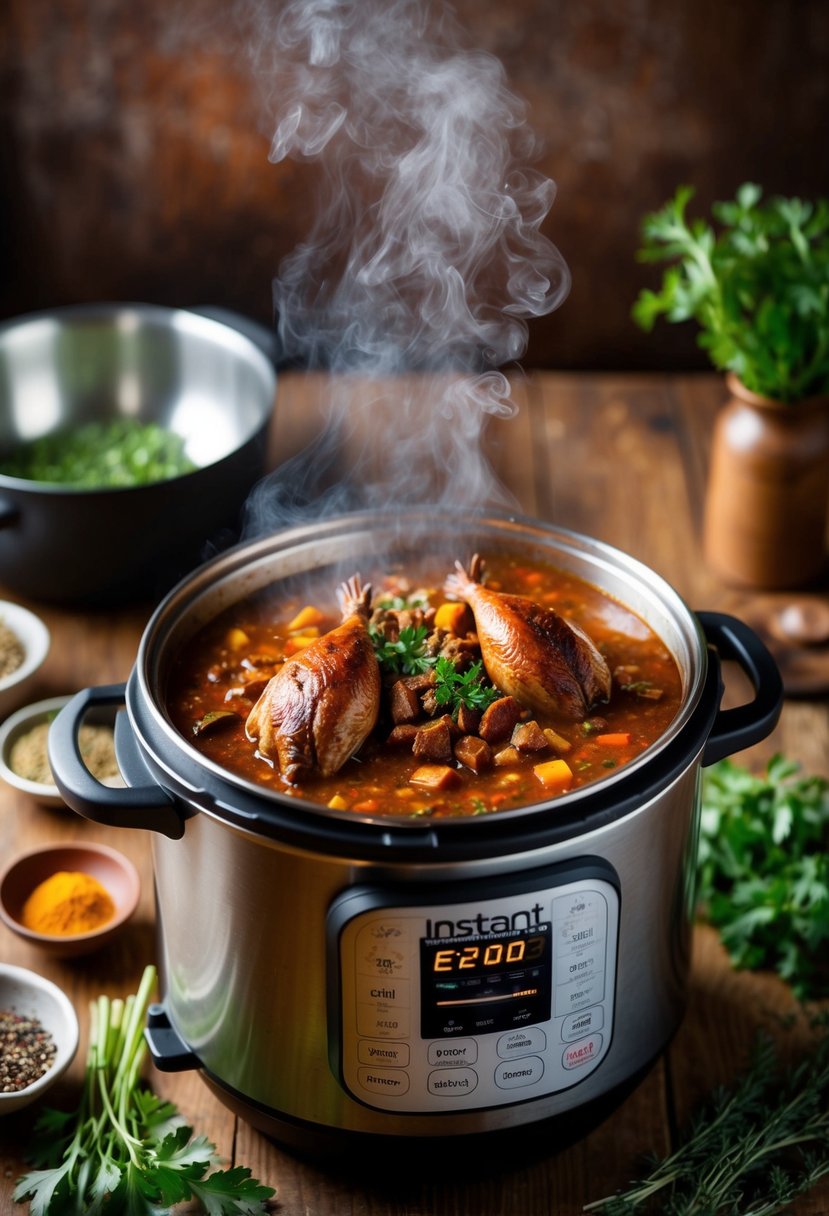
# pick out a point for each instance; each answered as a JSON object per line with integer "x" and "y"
{"x": 26, "y": 1051}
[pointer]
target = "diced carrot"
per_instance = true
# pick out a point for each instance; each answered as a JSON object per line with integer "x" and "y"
{"x": 337, "y": 803}
{"x": 554, "y": 774}
{"x": 237, "y": 639}
{"x": 405, "y": 793}
{"x": 293, "y": 645}
{"x": 435, "y": 776}
{"x": 367, "y": 807}
{"x": 452, "y": 617}
{"x": 620, "y": 739}
{"x": 309, "y": 615}
{"x": 310, "y": 631}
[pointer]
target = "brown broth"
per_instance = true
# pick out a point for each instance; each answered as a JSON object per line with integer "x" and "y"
{"x": 215, "y": 674}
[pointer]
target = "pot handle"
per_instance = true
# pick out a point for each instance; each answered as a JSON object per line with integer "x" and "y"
{"x": 744, "y": 725}
{"x": 139, "y": 806}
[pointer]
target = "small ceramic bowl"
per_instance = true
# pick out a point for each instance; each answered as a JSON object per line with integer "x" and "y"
{"x": 30, "y": 995}
{"x": 34, "y": 637}
{"x": 114, "y": 871}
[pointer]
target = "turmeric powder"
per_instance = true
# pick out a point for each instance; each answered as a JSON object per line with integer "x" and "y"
{"x": 68, "y": 902}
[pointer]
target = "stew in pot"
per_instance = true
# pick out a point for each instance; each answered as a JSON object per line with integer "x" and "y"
{"x": 493, "y": 686}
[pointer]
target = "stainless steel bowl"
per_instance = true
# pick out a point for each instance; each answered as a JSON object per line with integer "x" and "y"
{"x": 205, "y": 380}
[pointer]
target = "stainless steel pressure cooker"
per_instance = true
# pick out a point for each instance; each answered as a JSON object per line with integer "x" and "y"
{"x": 309, "y": 957}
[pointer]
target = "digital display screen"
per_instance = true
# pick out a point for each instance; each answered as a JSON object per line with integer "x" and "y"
{"x": 485, "y": 982}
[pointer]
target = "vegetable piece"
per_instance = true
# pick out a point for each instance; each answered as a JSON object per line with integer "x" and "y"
{"x": 306, "y": 618}
{"x": 124, "y": 1149}
{"x": 556, "y": 741}
{"x": 751, "y": 1149}
{"x": 764, "y": 870}
{"x": 453, "y": 617}
{"x": 506, "y": 756}
{"x": 237, "y": 639}
{"x": 214, "y": 719}
{"x": 119, "y": 452}
{"x": 337, "y": 803}
{"x": 618, "y": 739}
{"x": 555, "y": 775}
{"x": 435, "y": 777}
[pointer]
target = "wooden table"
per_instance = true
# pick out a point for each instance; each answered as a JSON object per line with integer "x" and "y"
{"x": 622, "y": 458}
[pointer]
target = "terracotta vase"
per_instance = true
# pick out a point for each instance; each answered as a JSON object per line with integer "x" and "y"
{"x": 768, "y": 491}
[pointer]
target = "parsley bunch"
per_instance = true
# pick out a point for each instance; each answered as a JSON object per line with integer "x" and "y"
{"x": 124, "y": 1149}
{"x": 758, "y": 287}
{"x": 764, "y": 869}
{"x": 454, "y": 688}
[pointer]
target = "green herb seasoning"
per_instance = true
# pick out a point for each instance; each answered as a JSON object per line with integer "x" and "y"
{"x": 26, "y": 1051}
{"x": 122, "y": 452}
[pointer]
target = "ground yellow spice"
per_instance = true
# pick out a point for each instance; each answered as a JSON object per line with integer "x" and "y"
{"x": 68, "y": 902}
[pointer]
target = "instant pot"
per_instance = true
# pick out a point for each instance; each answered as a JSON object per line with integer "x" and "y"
{"x": 342, "y": 979}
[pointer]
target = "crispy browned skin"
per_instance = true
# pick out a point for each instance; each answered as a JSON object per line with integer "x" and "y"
{"x": 323, "y": 703}
{"x": 529, "y": 651}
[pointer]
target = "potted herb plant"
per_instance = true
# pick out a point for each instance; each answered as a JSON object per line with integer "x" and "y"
{"x": 757, "y": 285}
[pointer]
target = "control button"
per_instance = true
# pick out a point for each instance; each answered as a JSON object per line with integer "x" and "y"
{"x": 579, "y": 1024}
{"x": 583, "y": 1052}
{"x": 374, "y": 1023}
{"x": 458, "y": 1051}
{"x": 449, "y": 1081}
{"x": 526, "y": 1071}
{"x": 521, "y": 1043}
{"x": 382, "y": 949}
{"x": 384, "y": 993}
{"x": 392, "y": 1055}
{"x": 383, "y": 1080}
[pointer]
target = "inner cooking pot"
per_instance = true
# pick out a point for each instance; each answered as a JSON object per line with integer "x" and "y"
{"x": 310, "y": 958}
{"x": 199, "y": 377}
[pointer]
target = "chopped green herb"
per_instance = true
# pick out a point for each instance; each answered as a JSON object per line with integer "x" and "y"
{"x": 122, "y": 452}
{"x": 407, "y": 656}
{"x": 454, "y": 688}
{"x": 608, "y": 763}
{"x": 124, "y": 1149}
{"x": 764, "y": 870}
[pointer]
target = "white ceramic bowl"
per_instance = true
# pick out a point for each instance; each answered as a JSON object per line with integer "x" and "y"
{"x": 29, "y": 994}
{"x": 35, "y": 639}
{"x": 11, "y": 730}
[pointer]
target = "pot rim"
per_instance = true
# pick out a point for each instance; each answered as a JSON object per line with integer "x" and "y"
{"x": 238, "y": 570}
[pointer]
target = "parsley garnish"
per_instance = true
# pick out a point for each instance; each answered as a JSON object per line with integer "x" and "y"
{"x": 764, "y": 869}
{"x": 124, "y": 1149}
{"x": 454, "y": 688}
{"x": 407, "y": 656}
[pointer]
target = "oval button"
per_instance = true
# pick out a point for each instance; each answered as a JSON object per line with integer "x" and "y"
{"x": 454, "y": 1052}
{"x": 579, "y": 1024}
{"x": 583, "y": 1052}
{"x": 449, "y": 1081}
{"x": 526, "y": 1071}
{"x": 383, "y": 1080}
{"x": 521, "y": 1043}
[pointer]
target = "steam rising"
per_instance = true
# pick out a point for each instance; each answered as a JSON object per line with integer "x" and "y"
{"x": 424, "y": 254}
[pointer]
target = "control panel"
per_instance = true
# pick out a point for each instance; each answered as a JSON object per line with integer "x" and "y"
{"x": 477, "y": 1003}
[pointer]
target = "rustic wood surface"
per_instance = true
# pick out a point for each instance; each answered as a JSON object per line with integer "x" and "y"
{"x": 622, "y": 458}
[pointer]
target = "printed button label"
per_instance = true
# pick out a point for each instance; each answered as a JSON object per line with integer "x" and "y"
{"x": 521, "y": 1043}
{"x": 526, "y": 1071}
{"x": 578, "y": 1054}
{"x": 448, "y": 1081}
{"x": 374, "y": 1023}
{"x": 459, "y": 1051}
{"x": 385, "y": 993}
{"x": 383, "y": 1080}
{"x": 393, "y": 1055}
{"x": 579, "y": 1024}
{"x": 382, "y": 949}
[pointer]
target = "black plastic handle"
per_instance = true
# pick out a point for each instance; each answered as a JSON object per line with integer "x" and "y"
{"x": 141, "y": 806}
{"x": 744, "y": 725}
{"x": 168, "y": 1050}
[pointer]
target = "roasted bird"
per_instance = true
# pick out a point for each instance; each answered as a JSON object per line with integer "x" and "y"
{"x": 323, "y": 703}
{"x": 530, "y": 652}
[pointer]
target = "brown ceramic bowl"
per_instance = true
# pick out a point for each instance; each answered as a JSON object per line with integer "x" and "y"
{"x": 112, "y": 870}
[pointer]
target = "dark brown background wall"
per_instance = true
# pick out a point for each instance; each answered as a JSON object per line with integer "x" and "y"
{"x": 134, "y": 160}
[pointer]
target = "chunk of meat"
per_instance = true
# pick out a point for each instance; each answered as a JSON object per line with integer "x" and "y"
{"x": 529, "y": 651}
{"x": 499, "y": 719}
{"x": 434, "y": 743}
{"x": 529, "y": 737}
{"x": 404, "y": 703}
{"x": 323, "y": 703}
{"x": 473, "y": 753}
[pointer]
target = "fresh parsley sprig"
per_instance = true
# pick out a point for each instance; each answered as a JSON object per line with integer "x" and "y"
{"x": 407, "y": 656}
{"x": 454, "y": 688}
{"x": 124, "y": 1149}
{"x": 763, "y": 869}
{"x": 751, "y": 1150}
{"x": 758, "y": 286}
